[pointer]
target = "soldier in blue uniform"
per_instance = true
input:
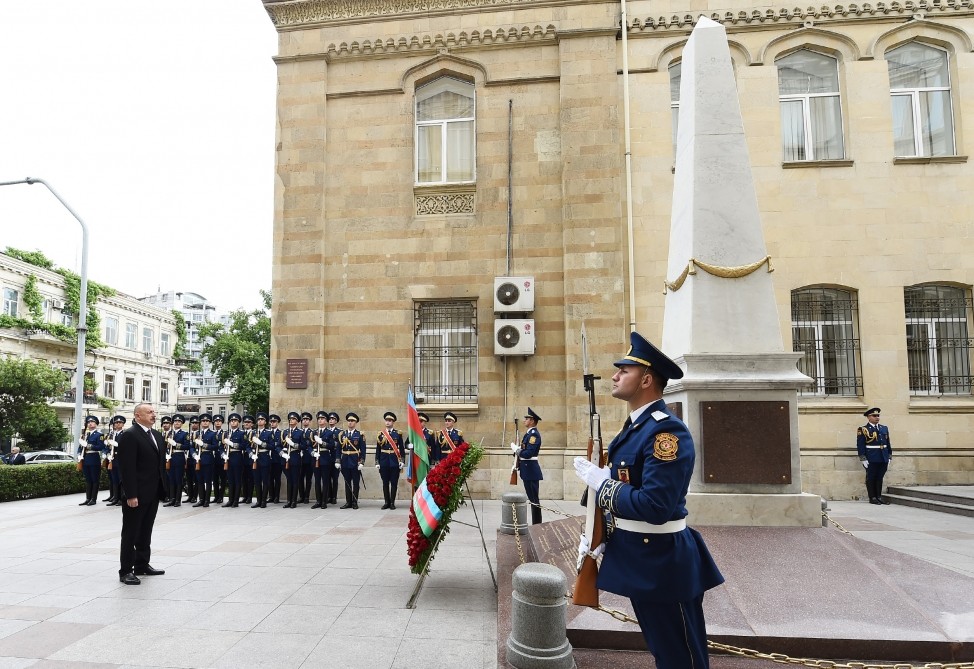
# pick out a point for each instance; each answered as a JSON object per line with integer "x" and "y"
{"x": 307, "y": 458}
{"x": 177, "y": 447}
{"x": 431, "y": 441}
{"x": 220, "y": 460}
{"x": 352, "y": 449}
{"x": 334, "y": 452}
{"x": 262, "y": 450}
{"x": 90, "y": 447}
{"x": 651, "y": 556}
{"x": 292, "y": 446}
{"x": 234, "y": 449}
{"x": 323, "y": 459}
{"x": 875, "y": 454}
{"x": 278, "y": 458}
{"x": 114, "y": 478}
{"x": 192, "y": 460}
{"x": 527, "y": 463}
{"x": 449, "y": 438}
{"x": 206, "y": 450}
{"x": 246, "y": 469}
{"x": 389, "y": 451}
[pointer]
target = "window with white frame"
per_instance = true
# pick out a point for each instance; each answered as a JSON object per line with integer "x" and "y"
{"x": 676, "y": 72}
{"x": 445, "y": 352}
{"x": 10, "y": 299}
{"x": 130, "y": 388}
{"x": 109, "y": 386}
{"x": 111, "y": 330}
{"x": 146, "y": 390}
{"x": 147, "y": 340}
{"x": 938, "y": 341}
{"x": 919, "y": 86}
{"x": 164, "y": 344}
{"x": 164, "y": 393}
{"x": 131, "y": 332}
{"x": 811, "y": 109}
{"x": 825, "y": 330}
{"x": 445, "y": 133}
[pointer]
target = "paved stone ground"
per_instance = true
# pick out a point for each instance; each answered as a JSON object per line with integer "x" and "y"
{"x": 297, "y": 588}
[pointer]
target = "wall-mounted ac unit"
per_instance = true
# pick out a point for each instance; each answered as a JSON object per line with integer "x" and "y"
{"x": 513, "y": 294}
{"x": 57, "y": 304}
{"x": 514, "y": 336}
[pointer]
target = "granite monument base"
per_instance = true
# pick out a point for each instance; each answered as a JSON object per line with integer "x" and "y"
{"x": 755, "y": 509}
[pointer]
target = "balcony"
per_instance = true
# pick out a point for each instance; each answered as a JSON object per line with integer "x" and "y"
{"x": 88, "y": 399}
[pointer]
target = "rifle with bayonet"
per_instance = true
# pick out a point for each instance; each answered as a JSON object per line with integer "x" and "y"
{"x": 586, "y": 592}
{"x": 517, "y": 458}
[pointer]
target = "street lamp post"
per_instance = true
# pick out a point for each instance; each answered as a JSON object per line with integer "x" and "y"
{"x": 79, "y": 390}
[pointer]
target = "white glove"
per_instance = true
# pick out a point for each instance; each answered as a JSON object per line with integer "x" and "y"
{"x": 318, "y": 440}
{"x": 110, "y": 458}
{"x": 514, "y": 447}
{"x": 198, "y": 442}
{"x": 168, "y": 458}
{"x": 338, "y": 466}
{"x": 590, "y": 473}
{"x": 112, "y": 442}
{"x": 377, "y": 466}
{"x": 256, "y": 442}
{"x": 80, "y": 458}
{"x": 400, "y": 465}
{"x": 360, "y": 466}
{"x": 82, "y": 442}
{"x": 171, "y": 442}
{"x": 253, "y": 456}
{"x": 226, "y": 441}
{"x": 288, "y": 441}
{"x": 865, "y": 465}
{"x": 583, "y": 549}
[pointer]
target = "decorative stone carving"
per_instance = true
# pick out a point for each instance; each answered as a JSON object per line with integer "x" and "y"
{"x": 438, "y": 203}
{"x": 302, "y": 12}
{"x": 440, "y": 42}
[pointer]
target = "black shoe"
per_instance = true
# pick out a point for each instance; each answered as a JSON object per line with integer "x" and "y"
{"x": 263, "y": 505}
{"x": 392, "y": 506}
{"x": 190, "y": 499}
{"x": 873, "y": 500}
{"x": 115, "y": 503}
{"x": 109, "y": 499}
{"x": 249, "y": 500}
{"x": 333, "y": 501}
{"x": 199, "y": 504}
{"x": 347, "y": 506}
{"x": 169, "y": 504}
{"x": 234, "y": 505}
{"x": 256, "y": 506}
{"x": 324, "y": 506}
{"x": 883, "y": 500}
{"x": 148, "y": 570}
{"x": 226, "y": 506}
{"x": 355, "y": 506}
{"x": 385, "y": 506}
{"x": 129, "y": 579}
{"x": 84, "y": 503}
{"x": 316, "y": 505}
{"x": 91, "y": 502}
{"x": 178, "y": 504}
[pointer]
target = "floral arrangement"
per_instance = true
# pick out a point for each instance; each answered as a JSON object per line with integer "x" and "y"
{"x": 444, "y": 484}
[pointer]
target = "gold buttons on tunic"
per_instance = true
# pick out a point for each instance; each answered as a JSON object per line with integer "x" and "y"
{"x": 646, "y": 540}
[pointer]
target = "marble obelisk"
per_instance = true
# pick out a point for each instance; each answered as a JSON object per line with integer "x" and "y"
{"x": 740, "y": 389}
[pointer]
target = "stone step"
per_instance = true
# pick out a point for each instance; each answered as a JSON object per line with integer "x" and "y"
{"x": 926, "y": 493}
{"x": 963, "y": 509}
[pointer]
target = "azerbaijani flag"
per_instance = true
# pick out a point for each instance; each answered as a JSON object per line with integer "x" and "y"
{"x": 419, "y": 463}
{"x": 428, "y": 514}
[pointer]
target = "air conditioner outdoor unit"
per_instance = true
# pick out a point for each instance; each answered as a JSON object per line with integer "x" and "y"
{"x": 57, "y": 304}
{"x": 513, "y": 293}
{"x": 514, "y": 336}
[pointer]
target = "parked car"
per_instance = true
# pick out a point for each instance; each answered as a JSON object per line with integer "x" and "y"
{"x": 47, "y": 457}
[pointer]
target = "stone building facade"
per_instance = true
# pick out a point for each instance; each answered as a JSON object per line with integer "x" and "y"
{"x": 426, "y": 147}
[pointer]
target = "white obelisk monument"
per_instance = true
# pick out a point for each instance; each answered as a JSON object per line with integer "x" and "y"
{"x": 739, "y": 393}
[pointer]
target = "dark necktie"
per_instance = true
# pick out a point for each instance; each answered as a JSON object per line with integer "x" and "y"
{"x": 627, "y": 424}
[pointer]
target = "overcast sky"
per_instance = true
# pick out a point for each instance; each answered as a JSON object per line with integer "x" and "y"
{"x": 155, "y": 122}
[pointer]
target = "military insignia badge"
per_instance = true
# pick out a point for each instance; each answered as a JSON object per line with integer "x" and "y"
{"x": 624, "y": 474}
{"x": 531, "y": 440}
{"x": 665, "y": 447}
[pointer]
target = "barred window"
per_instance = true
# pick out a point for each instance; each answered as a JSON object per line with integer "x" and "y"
{"x": 825, "y": 330}
{"x": 446, "y": 352}
{"x": 938, "y": 344}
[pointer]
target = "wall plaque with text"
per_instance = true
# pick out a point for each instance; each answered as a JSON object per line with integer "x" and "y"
{"x": 296, "y": 372}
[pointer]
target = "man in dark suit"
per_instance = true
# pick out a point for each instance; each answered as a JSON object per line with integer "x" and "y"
{"x": 15, "y": 457}
{"x": 141, "y": 457}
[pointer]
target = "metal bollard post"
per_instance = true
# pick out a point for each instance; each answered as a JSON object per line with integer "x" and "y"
{"x": 507, "y": 514}
{"x": 538, "y": 619}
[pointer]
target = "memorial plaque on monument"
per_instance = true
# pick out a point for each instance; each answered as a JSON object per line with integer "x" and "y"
{"x": 745, "y": 442}
{"x": 296, "y": 373}
{"x": 676, "y": 408}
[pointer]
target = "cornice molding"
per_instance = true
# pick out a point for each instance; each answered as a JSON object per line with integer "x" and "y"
{"x": 441, "y": 42}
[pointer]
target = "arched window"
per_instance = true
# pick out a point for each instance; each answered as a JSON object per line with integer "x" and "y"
{"x": 445, "y": 139}
{"x": 919, "y": 85}
{"x": 811, "y": 109}
{"x": 676, "y": 71}
{"x": 825, "y": 330}
{"x": 938, "y": 343}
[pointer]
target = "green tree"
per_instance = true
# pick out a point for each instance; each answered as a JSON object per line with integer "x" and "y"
{"x": 26, "y": 387}
{"x": 40, "y": 428}
{"x": 240, "y": 354}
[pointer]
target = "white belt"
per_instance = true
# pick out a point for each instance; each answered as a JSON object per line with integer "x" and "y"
{"x": 528, "y": 459}
{"x": 875, "y": 447}
{"x": 648, "y": 528}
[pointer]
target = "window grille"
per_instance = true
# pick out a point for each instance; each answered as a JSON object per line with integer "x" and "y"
{"x": 938, "y": 342}
{"x": 825, "y": 330}
{"x": 445, "y": 352}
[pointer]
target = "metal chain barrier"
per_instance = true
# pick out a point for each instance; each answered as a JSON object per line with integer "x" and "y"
{"x": 780, "y": 658}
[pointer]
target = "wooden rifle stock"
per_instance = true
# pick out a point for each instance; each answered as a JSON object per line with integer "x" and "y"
{"x": 586, "y": 592}
{"x": 517, "y": 459}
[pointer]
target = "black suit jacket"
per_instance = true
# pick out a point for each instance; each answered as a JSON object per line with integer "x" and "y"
{"x": 142, "y": 465}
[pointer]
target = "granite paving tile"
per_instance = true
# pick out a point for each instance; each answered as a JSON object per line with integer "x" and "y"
{"x": 335, "y": 576}
{"x": 17, "y": 662}
{"x": 10, "y": 626}
{"x": 24, "y": 612}
{"x": 300, "y": 619}
{"x": 441, "y": 624}
{"x": 458, "y": 599}
{"x": 44, "y": 638}
{"x": 206, "y": 591}
{"x": 336, "y": 594}
{"x": 263, "y": 592}
{"x": 446, "y": 654}
{"x": 230, "y": 616}
{"x": 349, "y": 652}
{"x": 362, "y": 623}
{"x": 269, "y": 651}
{"x": 382, "y": 597}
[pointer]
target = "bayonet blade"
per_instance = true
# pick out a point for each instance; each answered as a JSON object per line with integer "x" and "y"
{"x": 584, "y": 351}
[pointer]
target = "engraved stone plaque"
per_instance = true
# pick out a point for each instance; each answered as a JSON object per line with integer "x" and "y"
{"x": 745, "y": 442}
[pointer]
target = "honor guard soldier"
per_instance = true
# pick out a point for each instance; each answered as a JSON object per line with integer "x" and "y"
{"x": 114, "y": 478}
{"x": 307, "y": 457}
{"x": 651, "y": 556}
{"x": 449, "y": 437}
{"x": 90, "y": 447}
{"x": 234, "y": 453}
{"x": 323, "y": 461}
{"x": 388, "y": 459}
{"x": 207, "y": 450}
{"x": 875, "y": 454}
{"x": 431, "y": 441}
{"x": 261, "y": 452}
{"x": 292, "y": 447}
{"x": 246, "y": 469}
{"x": 192, "y": 461}
{"x": 352, "y": 454}
{"x": 220, "y": 461}
{"x": 278, "y": 458}
{"x": 527, "y": 463}
{"x": 335, "y": 452}
{"x": 165, "y": 426}
{"x": 177, "y": 447}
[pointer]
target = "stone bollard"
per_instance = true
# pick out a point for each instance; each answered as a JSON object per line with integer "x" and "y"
{"x": 507, "y": 516}
{"x": 538, "y": 619}
{"x": 825, "y": 510}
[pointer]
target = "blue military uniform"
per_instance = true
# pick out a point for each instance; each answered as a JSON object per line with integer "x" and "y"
{"x": 91, "y": 445}
{"x": 178, "y": 448}
{"x": 114, "y": 477}
{"x": 875, "y": 452}
{"x": 192, "y": 461}
{"x": 207, "y": 450}
{"x": 293, "y": 446}
{"x": 432, "y": 443}
{"x": 307, "y": 458}
{"x": 352, "y": 449}
{"x": 247, "y": 468}
{"x": 449, "y": 438}
{"x": 528, "y": 467}
{"x": 651, "y": 556}
{"x": 220, "y": 465}
{"x": 389, "y": 449}
{"x": 334, "y": 452}
{"x": 278, "y": 459}
{"x": 262, "y": 451}
{"x": 236, "y": 450}
{"x": 323, "y": 461}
